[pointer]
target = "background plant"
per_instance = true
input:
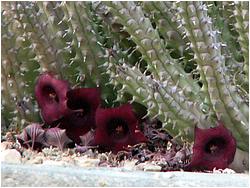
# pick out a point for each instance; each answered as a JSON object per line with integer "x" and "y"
{"x": 183, "y": 63}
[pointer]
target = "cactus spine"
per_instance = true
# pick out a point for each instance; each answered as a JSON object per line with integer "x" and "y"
{"x": 228, "y": 106}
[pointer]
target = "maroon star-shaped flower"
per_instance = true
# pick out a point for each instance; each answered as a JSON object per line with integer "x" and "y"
{"x": 82, "y": 103}
{"x": 50, "y": 94}
{"x": 213, "y": 148}
{"x": 116, "y": 128}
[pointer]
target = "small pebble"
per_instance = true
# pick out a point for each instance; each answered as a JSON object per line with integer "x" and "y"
{"x": 129, "y": 164}
{"x": 68, "y": 160}
{"x": 55, "y": 163}
{"x": 9, "y": 137}
{"x": 37, "y": 160}
{"x": 153, "y": 168}
{"x": 102, "y": 183}
{"x": 6, "y": 145}
{"x": 140, "y": 166}
{"x": 10, "y": 156}
{"x": 85, "y": 162}
{"x": 225, "y": 171}
{"x": 148, "y": 166}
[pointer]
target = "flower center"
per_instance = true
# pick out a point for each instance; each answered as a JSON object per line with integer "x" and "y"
{"x": 51, "y": 94}
{"x": 215, "y": 146}
{"x": 117, "y": 128}
{"x": 213, "y": 149}
{"x": 79, "y": 113}
{"x": 80, "y": 107}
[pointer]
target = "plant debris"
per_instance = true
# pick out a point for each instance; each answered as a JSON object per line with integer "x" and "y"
{"x": 160, "y": 152}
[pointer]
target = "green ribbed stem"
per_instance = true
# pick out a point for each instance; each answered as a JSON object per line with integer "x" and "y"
{"x": 241, "y": 14}
{"x": 17, "y": 80}
{"x": 148, "y": 42}
{"x": 227, "y": 105}
{"x": 32, "y": 26}
{"x": 164, "y": 17}
{"x": 162, "y": 100}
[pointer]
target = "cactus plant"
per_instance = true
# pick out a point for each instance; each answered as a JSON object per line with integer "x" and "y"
{"x": 186, "y": 63}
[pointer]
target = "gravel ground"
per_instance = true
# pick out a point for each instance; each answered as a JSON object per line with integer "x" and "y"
{"x": 50, "y": 176}
{"x": 68, "y": 168}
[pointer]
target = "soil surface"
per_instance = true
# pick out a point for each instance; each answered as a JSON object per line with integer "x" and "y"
{"x": 51, "y": 175}
{"x": 140, "y": 165}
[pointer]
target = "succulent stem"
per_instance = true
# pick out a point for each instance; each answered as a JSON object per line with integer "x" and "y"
{"x": 227, "y": 105}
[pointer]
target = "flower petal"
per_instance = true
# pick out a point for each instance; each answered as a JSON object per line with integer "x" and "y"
{"x": 213, "y": 148}
{"x": 84, "y": 97}
{"x": 139, "y": 137}
{"x": 124, "y": 112}
{"x": 82, "y": 103}
{"x": 75, "y": 126}
{"x": 116, "y": 128}
{"x": 51, "y": 96}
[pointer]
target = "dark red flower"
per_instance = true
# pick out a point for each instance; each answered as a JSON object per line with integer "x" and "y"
{"x": 32, "y": 136}
{"x": 51, "y": 97}
{"x": 116, "y": 128}
{"x": 213, "y": 148}
{"x": 82, "y": 103}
